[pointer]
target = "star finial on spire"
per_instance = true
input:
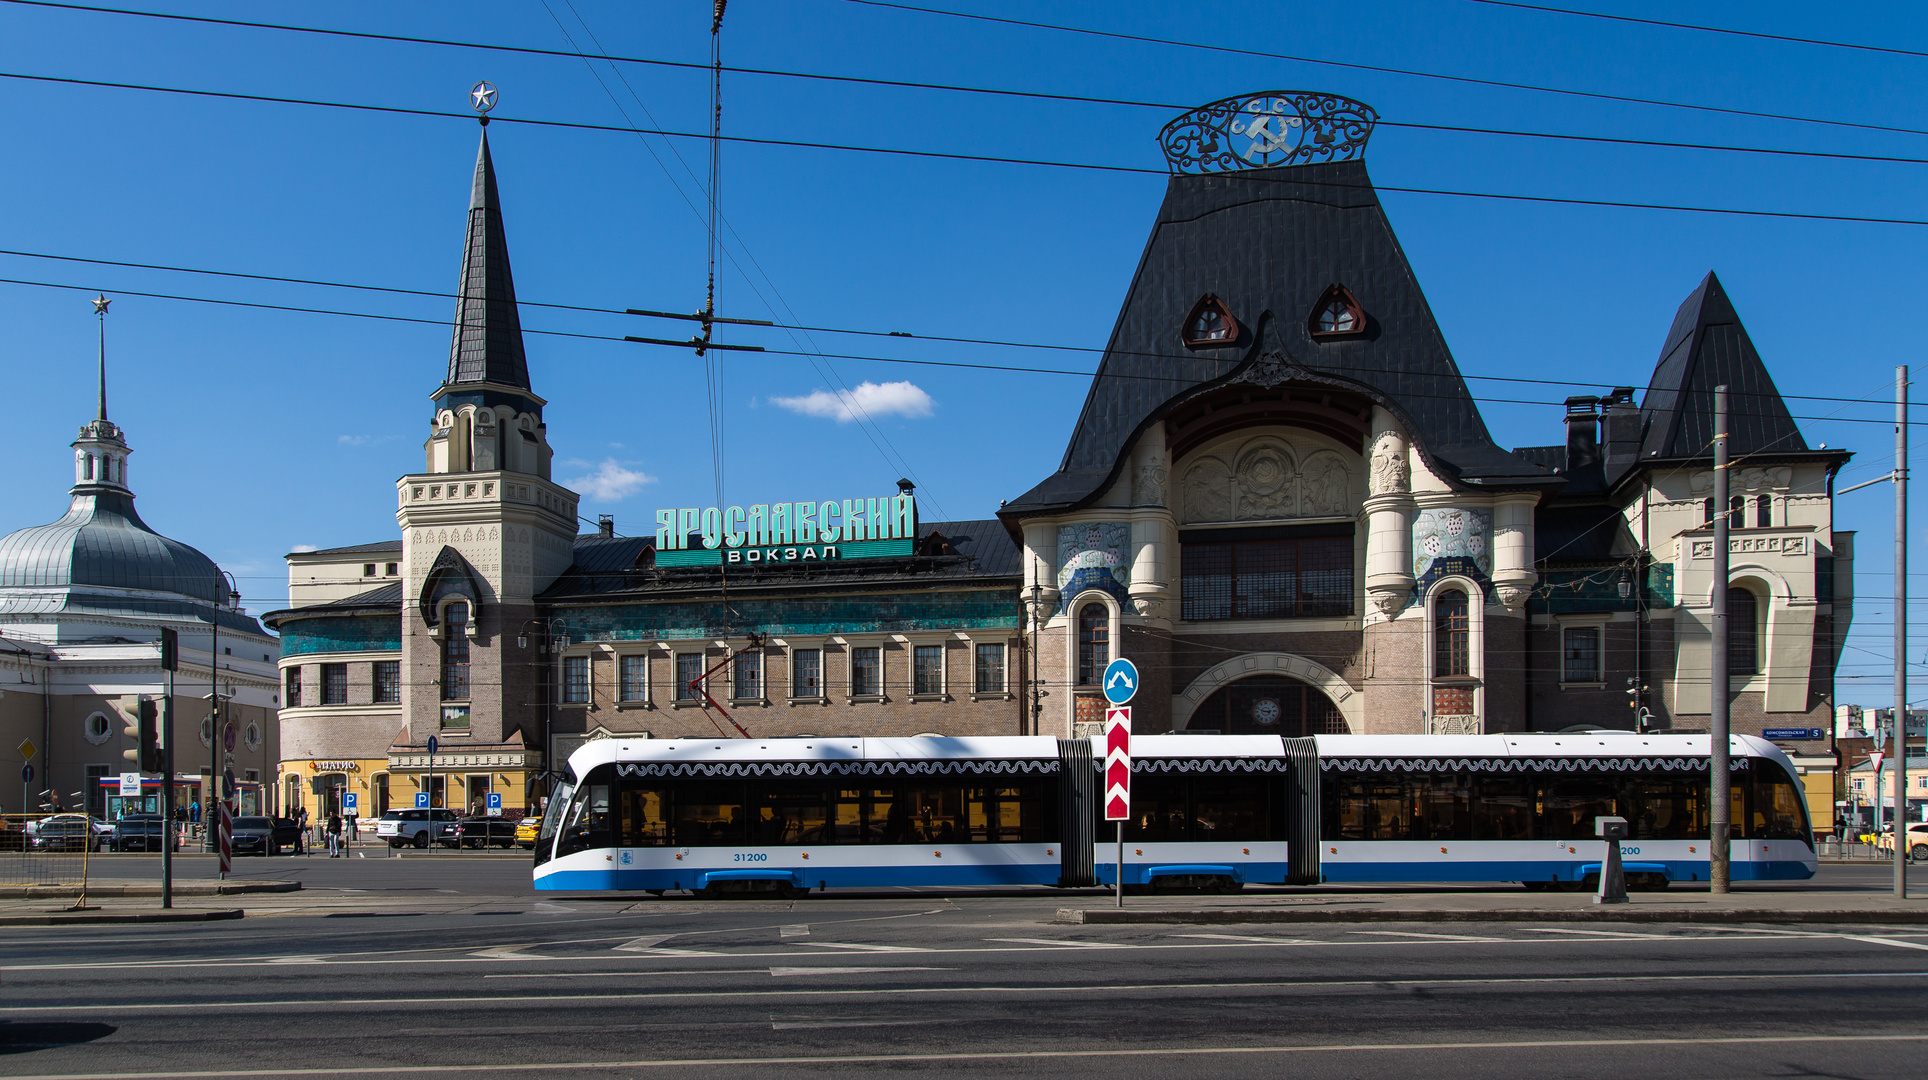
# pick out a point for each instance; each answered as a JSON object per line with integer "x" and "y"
{"x": 482, "y": 98}
{"x": 100, "y": 305}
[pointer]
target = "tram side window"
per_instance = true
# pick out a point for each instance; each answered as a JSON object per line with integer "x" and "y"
{"x": 1441, "y": 806}
{"x": 933, "y": 815}
{"x": 1365, "y": 808}
{"x": 791, "y": 813}
{"x": 645, "y": 817}
{"x": 1668, "y": 808}
{"x": 1230, "y": 809}
{"x": 1004, "y": 815}
{"x": 1503, "y": 808}
{"x": 862, "y": 815}
{"x": 1569, "y": 805}
{"x": 708, "y": 812}
{"x": 1775, "y": 812}
{"x": 1158, "y": 810}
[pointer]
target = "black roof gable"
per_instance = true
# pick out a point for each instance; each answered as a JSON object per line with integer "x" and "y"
{"x": 1270, "y": 243}
{"x": 1708, "y": 347}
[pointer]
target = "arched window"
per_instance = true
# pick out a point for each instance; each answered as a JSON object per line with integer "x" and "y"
{"x": 1337, "y": 314}
{"x": 1743, "y": 631}
{"x": 1763, "y": 511}
{"x": 1707, "y": 512}
{"x": 1737, "y": 512}
{"x": 1452, "y": 635}
{"x": 1210, "y": 323}
{"x": 1094, "y": 643}
{"x": 455, "y": 652}
{"x": 1336, "y": 318}
{"x": 87, "y": 468}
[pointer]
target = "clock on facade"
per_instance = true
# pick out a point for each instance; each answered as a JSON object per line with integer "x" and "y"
{"x": 1265, "y": 711}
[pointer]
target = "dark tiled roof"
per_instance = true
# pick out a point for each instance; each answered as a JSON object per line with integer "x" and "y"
{"x": 1584, "y": 532}
{"x": 487, "y": 346}
{"x": 1707, "y": 347}
{"x": 1269, "y": 243}
{"x": 1550, "y": 458}
{"x": 385, "y": 599}
{"x": 607, "y": 566}
{"x": 357, "y": 549}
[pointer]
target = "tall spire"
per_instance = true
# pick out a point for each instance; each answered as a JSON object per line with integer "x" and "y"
{"x": 100, "y": 309}
{"x": 487, "y": 345}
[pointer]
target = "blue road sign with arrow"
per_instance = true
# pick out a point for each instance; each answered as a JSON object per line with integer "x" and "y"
{"x": 1121, "y": 681}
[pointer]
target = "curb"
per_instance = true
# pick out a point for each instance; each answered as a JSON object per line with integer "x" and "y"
{"x": 1114, "y": 916}
{"x": 197, "y": 888}
{"x": 79, "y": 917}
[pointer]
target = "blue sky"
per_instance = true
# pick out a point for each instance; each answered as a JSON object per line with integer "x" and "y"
{"x": 257, "y": 431}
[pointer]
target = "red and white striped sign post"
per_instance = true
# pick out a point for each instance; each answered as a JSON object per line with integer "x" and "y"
{"x": 1118, "y": 780}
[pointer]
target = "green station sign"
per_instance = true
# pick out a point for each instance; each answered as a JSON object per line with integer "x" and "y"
{"x": 787, "y": 532}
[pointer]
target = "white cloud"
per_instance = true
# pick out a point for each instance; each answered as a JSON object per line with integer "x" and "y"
{"x": 298, "y": 548}
{"x": 362, "y": 440}
{"x": 868, "y": 399}
{"x": 610, "y": 482}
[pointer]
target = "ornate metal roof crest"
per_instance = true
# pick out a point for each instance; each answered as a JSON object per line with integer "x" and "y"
{"x": 1258, "y": 131}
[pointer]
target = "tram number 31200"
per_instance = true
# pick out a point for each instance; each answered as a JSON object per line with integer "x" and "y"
{"x": 751, "y": 856}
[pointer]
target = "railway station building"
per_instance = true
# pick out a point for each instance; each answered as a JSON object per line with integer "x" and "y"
{"x": 1279, "y": 500}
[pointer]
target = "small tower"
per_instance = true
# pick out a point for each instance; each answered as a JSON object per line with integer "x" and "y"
{"x": 484, "y": 529}
{"x": 100, "y": 453}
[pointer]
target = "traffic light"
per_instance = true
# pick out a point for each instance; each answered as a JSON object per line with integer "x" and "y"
{"x": 143, "y": 726}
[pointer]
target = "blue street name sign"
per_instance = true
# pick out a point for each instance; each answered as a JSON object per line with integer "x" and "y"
{"x": 421, "y": 800}
{"x": 1121, "y": 681}
{"x": 1795, "y": 733}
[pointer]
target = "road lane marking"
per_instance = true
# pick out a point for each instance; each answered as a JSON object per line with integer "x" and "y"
{"x": 1061, "y": 943}
{"x": 1242, "y": 939}
{"x": 1427, "y": 937}
{"x": 973, "y": 1056}
{"x": 648, "y": 946}
{"x": 832, "y": 970}
{"x": 629, "y": 973}
{"x": 794, "y": 930}
{"x": 804, "y": 1025}
{"x": 861, "y": 948}
{"x": 119, "y": 1006}
{"x": 505, "y": 952}
{"x": 1886, "y": 941}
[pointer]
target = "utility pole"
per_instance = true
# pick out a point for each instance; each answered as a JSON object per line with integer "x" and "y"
{"x": 1901, "y": 636}
{"x": 1720, "y": 783}
{"x": 170, "y": 661}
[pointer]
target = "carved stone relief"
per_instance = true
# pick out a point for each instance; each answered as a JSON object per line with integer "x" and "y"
{"x": 1744, "y": 480}
{"x": 1265, "y": 479}
{"x": 1391, "y": 472}
{"x": 1148, "y": 486}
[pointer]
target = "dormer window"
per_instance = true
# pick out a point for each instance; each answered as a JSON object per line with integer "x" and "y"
{"x": 1337, "y": 314}
{"x": 1210, "y": 324}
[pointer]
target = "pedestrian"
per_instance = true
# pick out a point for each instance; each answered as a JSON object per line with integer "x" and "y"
{"x": 301, "y": 822}
{"x": 334, "y": 835}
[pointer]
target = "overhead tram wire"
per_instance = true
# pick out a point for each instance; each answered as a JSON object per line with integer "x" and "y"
{"x": 696, "y": 316}
{"x": 941, "y": 155}
{"x": 1756, "y": 34}
{"x": 867, "y": 424}
{"x": 1379, "y": 68}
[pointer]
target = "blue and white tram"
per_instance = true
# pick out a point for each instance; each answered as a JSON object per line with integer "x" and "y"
{"x": 1219, "y": 811}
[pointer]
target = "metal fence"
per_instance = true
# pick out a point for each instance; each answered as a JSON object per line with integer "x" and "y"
{"x": 57, "y": 850}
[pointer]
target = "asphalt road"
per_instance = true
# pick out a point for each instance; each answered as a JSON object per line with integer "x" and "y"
{"x": 963, "y": 985}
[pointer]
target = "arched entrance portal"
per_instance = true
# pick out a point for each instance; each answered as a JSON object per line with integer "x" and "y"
{"x": 1268, "y": 705}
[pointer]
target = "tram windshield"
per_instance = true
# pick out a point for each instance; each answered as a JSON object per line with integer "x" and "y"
{"x": 551, "y": 815}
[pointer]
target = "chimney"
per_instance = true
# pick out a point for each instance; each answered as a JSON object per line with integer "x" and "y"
{"x": 606, "y": 526}
{"x": 1582, "y": 434}
{"x": 1620, "y": 431}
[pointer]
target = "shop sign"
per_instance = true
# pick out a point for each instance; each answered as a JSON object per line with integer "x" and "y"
{"x": 786, "y": 532}
{"x": 334, "y": 766}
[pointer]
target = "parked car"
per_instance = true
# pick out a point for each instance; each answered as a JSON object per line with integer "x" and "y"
{"x": 256, "y": 836}
{"x": 287, "y": 833}
{"x": 526, "y": 830}
{"x": 140, "y": 832}
{"x": 477, "y": 832}
{"x": 403, "y": 828}
{"x": 102, "y": 829}
{"x": 65, "y": 834}
{"x": 1917, "y": 840}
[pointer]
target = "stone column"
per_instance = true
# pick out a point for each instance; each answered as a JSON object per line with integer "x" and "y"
{"x": 1513, "y": 572}
{"x": 1389, "y": 512}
